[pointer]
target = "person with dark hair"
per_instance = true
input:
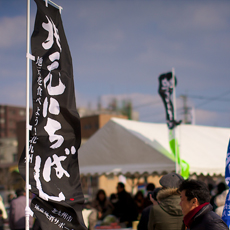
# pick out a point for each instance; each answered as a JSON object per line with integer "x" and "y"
{"x": 220, "y": 202}
{"x": 221, "y": 187}
{"x": 102, "y": 204}
{"x": 167, "y": 215}
{"x": 126, "y": 208}
{"x": 196, "y": 209}
{"x": 20, "y": 192}
{"x": 143, "y": 223}
{"x": 139, "y": 199}
{"x": 100, "y": 208}
{"x": 120, "y": 186}
{"x": 17, "y": 211}
{"x": 149, "y": 188}
{"x": 113, "y": 198}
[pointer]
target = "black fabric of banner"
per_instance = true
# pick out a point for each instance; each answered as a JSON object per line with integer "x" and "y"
{"x": 55, "y": 134}
{"x": 51, "y": 215}
{"x": 165, "y": 91}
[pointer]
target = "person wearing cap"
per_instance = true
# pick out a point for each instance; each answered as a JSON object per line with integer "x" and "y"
{"x": 197, "y": 210}
{"x": 167, "y": 215}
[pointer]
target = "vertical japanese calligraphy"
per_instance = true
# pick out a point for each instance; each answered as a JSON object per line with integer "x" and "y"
{"x": 165, "y": 91}
{"x": 55, "y": 134}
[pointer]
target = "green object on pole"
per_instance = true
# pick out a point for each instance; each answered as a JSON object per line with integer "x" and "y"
{"x": 184, "y": 166}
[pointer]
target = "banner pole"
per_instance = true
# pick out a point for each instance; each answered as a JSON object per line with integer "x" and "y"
{"x": 174, "y": 108}
{"x": 27, "y": 115}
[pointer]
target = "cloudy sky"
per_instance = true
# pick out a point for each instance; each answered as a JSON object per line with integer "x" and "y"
{"x": 120, "y": 47}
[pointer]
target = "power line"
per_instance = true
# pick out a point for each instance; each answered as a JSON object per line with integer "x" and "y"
{"x": 153, "y": 114}
{"x": 207, "y": 98}
{"x": 147, "y": 104}
{"x": 190, "y": 96}
{"x": 213, "y": 99}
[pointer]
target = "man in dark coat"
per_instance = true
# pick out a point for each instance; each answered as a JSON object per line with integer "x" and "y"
{"x": 197, "y": 211}
{"x": 167, "y": 215}
{"x": 126, "y": 208}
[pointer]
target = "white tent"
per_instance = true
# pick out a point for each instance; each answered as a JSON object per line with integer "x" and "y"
{"x": 130, "y": 147}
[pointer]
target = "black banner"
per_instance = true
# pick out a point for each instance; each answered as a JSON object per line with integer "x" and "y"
{"x": 52, "y": 215}
{"x": 55, "y": 134}
{"x": 165, "y": 91}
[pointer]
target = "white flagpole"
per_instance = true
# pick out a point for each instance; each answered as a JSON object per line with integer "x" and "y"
{"x": 174, "y": 108}
{"x": 27, "y": 209}
{"x": 27, "y": 115}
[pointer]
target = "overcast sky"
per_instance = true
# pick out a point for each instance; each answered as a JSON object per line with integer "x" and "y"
{"x": 120, "y": 47}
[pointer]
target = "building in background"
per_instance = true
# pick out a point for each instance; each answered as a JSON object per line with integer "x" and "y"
{"x": 92, "y": 123}
{"x": 115, "y": 107}
{"x": 8, "y": 150}
{"x": 94, "y": 119}
{"x": 9, "y": 116}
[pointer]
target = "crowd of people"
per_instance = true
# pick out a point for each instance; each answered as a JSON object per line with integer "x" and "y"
{"x": 177, "y": 204}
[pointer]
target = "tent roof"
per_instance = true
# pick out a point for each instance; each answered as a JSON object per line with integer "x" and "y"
{"x": 129, "y": 147}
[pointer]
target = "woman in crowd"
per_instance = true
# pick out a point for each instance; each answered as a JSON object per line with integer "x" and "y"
{"x": 102, "y": 205}
{"x": 139, "y": 200}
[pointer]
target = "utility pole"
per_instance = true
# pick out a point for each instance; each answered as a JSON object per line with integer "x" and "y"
{"x": 99, "y": 106}
{"x": 186, "y": 110}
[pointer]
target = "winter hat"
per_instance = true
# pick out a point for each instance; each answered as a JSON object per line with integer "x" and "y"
{"x": 171, "y": 180}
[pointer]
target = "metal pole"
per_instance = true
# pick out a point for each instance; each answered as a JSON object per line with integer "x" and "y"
{"x": 27, "y": 114}
{"x": 174, "y": 108}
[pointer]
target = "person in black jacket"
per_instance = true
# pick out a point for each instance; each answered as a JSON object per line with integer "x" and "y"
{"x": 196, "y": 209}
{"x": 126, "y": 209}
{"x": 143, "y": 223}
